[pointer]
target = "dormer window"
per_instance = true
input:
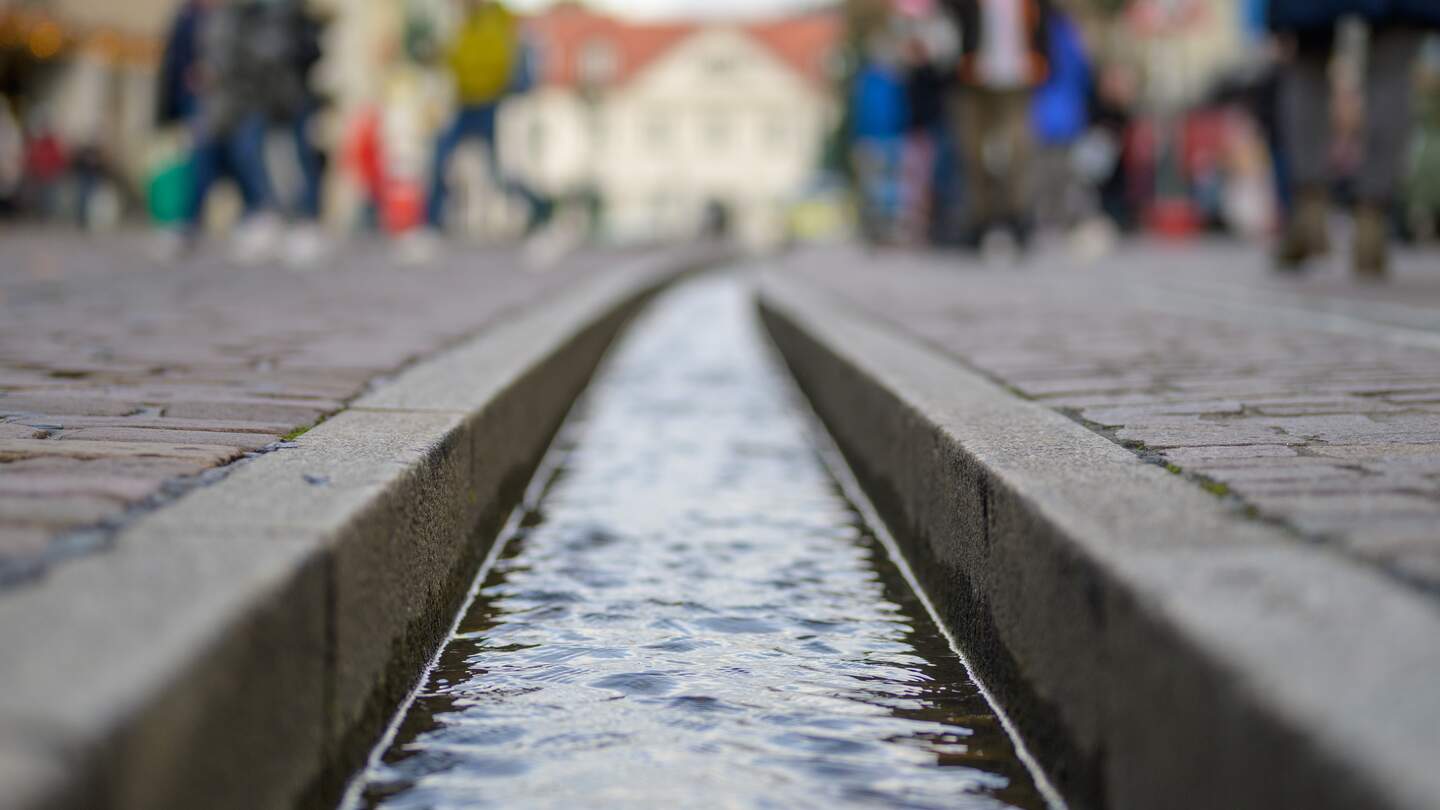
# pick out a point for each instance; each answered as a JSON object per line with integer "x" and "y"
{"x": 598, "y": 63}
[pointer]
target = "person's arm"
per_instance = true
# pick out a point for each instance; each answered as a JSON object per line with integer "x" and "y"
{"x": 176, "y": 63}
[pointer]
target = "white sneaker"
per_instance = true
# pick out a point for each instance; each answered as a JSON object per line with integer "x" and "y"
{"x": 550, "y": 245}
{"x": 255, "y": 240}
{"x": 419, "y": 247}
{"x": 306, "y": 246}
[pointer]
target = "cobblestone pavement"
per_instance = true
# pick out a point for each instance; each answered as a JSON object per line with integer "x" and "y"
{"x": 1314, "y": 402}
{"x": 123, "y": 381}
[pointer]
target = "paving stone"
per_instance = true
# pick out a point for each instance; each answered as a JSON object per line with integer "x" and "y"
{"x": 9, "y": 431}
{"x": 1186, "y": 456}
{"x": 93, "y": 405}
{"x": 18, "y": 542}
{"x": 126, "y": 488}
{"x": 72, "y": 511}
{"x": 144, "y": 373}
{"x": 243, "y": 441}
{"x": 18, "y": 449}
{"x": 54, "y": 422}
{"x": 1331, "y": 429}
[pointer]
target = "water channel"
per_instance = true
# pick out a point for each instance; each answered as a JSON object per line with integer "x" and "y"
{"x": 692, "y": 615}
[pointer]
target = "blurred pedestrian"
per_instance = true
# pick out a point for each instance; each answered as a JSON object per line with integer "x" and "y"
{"x": 1105, "y": 155}
{"x": 930, "y": 47}
{"x": 878, "y": 122}
{"x": 1004, "y": 57}
{"x": 12, "y": 157}
{"x": 1061, "y": 117}
{"x": 306, "y": 243}
{"x": 1424, "y": 186}
{"x": 487, "y": 61}
{"x": 1308, "y": 27}
{"x": 224, "y": 68}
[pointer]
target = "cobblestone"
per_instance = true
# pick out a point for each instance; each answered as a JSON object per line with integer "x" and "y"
{"x": 1312, "y": 401}
{"x": 118, "y": 376}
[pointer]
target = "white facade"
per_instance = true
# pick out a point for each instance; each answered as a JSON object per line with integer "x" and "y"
{"x": 718, "y": 118}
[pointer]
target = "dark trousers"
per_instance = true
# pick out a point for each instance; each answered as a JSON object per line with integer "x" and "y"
{"x": 312, "y": 167}
{"x": 988, "y": 122}
{"x": 238, "y": 153}
{"x": 1305, "y": 95}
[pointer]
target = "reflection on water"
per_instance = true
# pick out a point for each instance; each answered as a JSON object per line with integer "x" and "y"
{"x": 694, "y": 617}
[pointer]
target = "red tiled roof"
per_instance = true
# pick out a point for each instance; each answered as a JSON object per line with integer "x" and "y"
{"x": 564, "y": 32}
{"x": 804, "y": 43}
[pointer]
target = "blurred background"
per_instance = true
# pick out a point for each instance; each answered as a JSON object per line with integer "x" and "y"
{"x": 299, "y": 122}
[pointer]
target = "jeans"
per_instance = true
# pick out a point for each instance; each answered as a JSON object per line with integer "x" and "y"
{"x": 238, "y": 153}
{"x": 878, "y": 163}
{"x": 312, "y": 167}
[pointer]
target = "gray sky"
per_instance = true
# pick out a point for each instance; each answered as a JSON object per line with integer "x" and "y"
{"x": 689, "y": 8}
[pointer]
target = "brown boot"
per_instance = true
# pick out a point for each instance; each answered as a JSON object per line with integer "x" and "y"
{"x": 1372, "y": 242}
{"x": 1307, "y": 234}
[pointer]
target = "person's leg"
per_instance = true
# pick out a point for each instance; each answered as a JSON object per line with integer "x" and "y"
{"x": 1305, "y": 131}
{"x": 973, "y": 129}
{"x": 312, "y": 167}
{"x": 246, "y": 146}
{"x": 1389, "y": 90}
{"x": 484, "y": 125}
{"x": 207, "y": 157}
{"x": 865, "y": 163}
{"x": 1013, "y": 125}
{"x": 445, "y": 145}
{"x": 945, "y": 189}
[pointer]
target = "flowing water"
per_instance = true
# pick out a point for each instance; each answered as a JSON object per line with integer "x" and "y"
{"x": 693, "y": 616}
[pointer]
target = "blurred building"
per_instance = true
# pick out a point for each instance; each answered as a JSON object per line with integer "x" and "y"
{"x": 666, "y": 124}
{"x": 84, "y": 72}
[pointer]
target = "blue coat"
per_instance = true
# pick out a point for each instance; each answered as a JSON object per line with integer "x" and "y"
{"x": 1060, "y": 113}
{"x": 175, "y": 98}
{"x": 1313, "y": 15}
{"x": 878, "y": 100}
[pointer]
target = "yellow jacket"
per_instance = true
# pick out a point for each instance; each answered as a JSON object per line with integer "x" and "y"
{"x": 484, "y": 54}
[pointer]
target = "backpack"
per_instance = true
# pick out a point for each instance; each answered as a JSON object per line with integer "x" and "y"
{"x": 484, "y": 55}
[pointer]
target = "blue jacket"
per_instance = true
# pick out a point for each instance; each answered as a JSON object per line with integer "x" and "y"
{"x": 175, "y": 98}
{"x": 878, "y": 99}
{"x": 1060, "y": 112}
{"x": 1313, "y": 15}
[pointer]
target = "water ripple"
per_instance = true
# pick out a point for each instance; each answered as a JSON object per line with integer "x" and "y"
{"x": 696, "y": 618}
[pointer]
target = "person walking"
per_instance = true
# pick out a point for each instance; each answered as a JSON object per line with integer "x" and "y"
{"x": 187, "y": 79}
{"x": 1004, "y": 57}
{"x": 487, "y": 61}
{"x": 1060, "y": 119}
{"x": 246, "y": 79}
{"x": 930, "y": 48}
{"x": 1308, "y": 29}
{"x": 295, "y": 115}
{"x": 878, "y": 124}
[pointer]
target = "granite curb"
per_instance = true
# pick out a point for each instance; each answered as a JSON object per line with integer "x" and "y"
{"x": 242, "y": 647}
{"x": 1154, "y": 648}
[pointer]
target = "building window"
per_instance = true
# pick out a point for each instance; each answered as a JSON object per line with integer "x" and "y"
{"x": 657, "y": 131}
{"x": 598, "y": 63}
{"x": 719, "y": 66}
{"x": 778, "y": 131}
{"x": 536, "y": 138}
{"x": 717, "y": 132}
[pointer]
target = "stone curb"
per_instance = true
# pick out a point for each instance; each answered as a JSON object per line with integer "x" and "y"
{"x": 1154, "y": 648}
{"x": 243, "y": 647}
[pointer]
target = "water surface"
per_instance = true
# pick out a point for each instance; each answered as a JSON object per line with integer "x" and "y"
{"x": 694, "y": 616}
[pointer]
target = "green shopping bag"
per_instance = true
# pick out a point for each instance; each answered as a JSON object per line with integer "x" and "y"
{"x": 168, "y": 191}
